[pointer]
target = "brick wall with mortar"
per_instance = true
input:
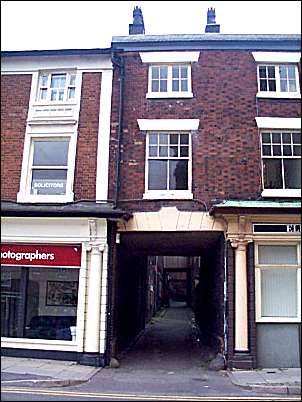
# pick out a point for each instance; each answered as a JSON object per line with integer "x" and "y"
{"x": 15, "y": 93}
{"x": 226, "y": 149}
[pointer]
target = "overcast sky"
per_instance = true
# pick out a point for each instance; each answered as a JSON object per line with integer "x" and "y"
{"x": 34, "y": 25}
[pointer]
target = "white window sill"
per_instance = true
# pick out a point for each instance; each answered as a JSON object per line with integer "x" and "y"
{"x": 163, "y": 95}
{"x": 282, "y": 193}
{"x": 55, "y": 103}
{"x": 279, "y": 95}
{"x": 278, "y": 319}
{"x": 52, "y": 199}
{"x": 167, "y": 195}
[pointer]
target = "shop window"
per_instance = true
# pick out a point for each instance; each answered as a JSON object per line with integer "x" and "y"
{"x": 39, "y": 303}
{"x": 278, "y": 283}
{"x": 281, "y": 162}
{"x": 168, "y": 164}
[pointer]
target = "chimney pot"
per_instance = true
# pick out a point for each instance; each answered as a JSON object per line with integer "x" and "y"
{"x": 211, "y": 22}
{"x": 138, "y": 26}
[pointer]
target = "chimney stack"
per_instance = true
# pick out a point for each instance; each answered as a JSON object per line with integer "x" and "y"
{"x": 211, "y": 26}
{"x": 138, "y": 26}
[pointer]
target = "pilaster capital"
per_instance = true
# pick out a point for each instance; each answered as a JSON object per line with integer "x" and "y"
{"x": 240, "y": 243}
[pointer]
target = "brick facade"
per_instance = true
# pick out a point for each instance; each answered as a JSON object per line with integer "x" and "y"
{"x": 15, "y": 92}
{"x": 86, "y": 160}
{"x": 226, "y": 149}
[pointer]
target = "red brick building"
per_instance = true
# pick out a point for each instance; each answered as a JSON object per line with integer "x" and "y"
{"x": 207, "y": 132}
{"x": 164, "y": 157}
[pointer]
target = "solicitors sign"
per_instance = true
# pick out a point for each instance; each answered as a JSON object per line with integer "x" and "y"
{"x": 41, "y": 255}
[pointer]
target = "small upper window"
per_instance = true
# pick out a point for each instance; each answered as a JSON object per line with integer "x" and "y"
{"x": 170, "y": 81}
{"x": 278, "y": 80}
{"x": 57, "y": 87}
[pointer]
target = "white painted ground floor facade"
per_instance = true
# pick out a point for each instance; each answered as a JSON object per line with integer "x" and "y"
{"x": 54, "y": 286}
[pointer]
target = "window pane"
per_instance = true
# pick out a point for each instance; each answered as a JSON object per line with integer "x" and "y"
{"x": 283, "y": 86}
{"x": 262, "y": 72}
{"x": 276, "y": 138}
{"x": 71, "y": 93}
{"x": 10, "y": 301}
{"x": 52, "y": 298}
{"x": 287, "y": 150}
{"x": 297, "y": 150}
{"x": 291, "y": 72}
{"x": 184, "y": 72}
{"x": 163, "y": 86}
{"x": 178, "y": 174}
{"x": 276, "y": 150}
{"x": 296, "y": 138}
{"x": 266, "y": 150}
{"x": 173, "y": 151}
{"x": 163, "y": 151}
{"x": 266, "y": 138}
{"x": 173, "y": 138}
{"x": 48, "y": 182}
{"x": 157, "y": 175}
{"x": 53, "y": 96}
{"x": 286, "y": 138}
{"x": 50, "y": 153}
{"x": 279, "y": 254}
{"x": 153, "y": 151}
{"x": 155, "y": 72}
{"x": 283, "y": 72}
{"x": 279, "y": 292}
{"x": 61, "y": 95}
{"x": 175, "y": 72}
{"x": 184, "y": 151}
{"x": 43, "y": 93}
{"x": 155, "y": 86}
{"x": 153, "y": 138}
{"x": 271, "y": 72}
{"x": 184, "y": 139}
{"x": 58, "y": 81}
{"x": 175, "y": 86}
{"x": 163, "y": 72}
{"x": 43, "y": 80}
{"x": 272, "y": 85}
{"x": 292, "y": 86}
{"x": 72, "y": 80}
{"x": 292, "y": 173}
{"x": 263, "y": 85}
{"x": 272, "y": 173}
{"x": 163, "y": 138}
{"x": 184, "y": 85}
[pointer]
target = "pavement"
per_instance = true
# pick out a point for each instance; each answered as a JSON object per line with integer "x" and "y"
{"x": 49, "y": 373}
{"x": 160, "y": 348}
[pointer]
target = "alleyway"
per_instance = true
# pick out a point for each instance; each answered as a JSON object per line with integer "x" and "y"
{"x": 168, "y": 343}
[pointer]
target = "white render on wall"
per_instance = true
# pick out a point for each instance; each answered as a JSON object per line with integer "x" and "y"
{"x": 69, "y": 231}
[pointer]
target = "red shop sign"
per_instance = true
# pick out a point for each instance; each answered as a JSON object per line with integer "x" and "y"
{"x": 40, "y": 254}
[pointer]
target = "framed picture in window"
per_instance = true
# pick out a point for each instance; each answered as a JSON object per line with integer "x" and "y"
{"x": 62, "y": 293}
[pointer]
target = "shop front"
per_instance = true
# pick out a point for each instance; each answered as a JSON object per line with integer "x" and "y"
{"x": 54, "y": 286}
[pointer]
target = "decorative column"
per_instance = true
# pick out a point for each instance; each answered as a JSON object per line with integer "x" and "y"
{"x": 92, "y": 354}
{"x": 92, "y": 333}
{"x": 241, "y": 306}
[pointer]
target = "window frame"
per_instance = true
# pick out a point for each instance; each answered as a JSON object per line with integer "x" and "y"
{"x": 282, "y": 192}
{"x": 278, "y": 93}
{"x": 24, "y": 194}
{"x": 169, "y": 93}
{"x": 166, "y": 193}
{"x": 259, "y": 267}
{"x": 47, "y": 87}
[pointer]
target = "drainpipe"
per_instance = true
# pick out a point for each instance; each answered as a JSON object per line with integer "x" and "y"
{"x": 119, "y": 62}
